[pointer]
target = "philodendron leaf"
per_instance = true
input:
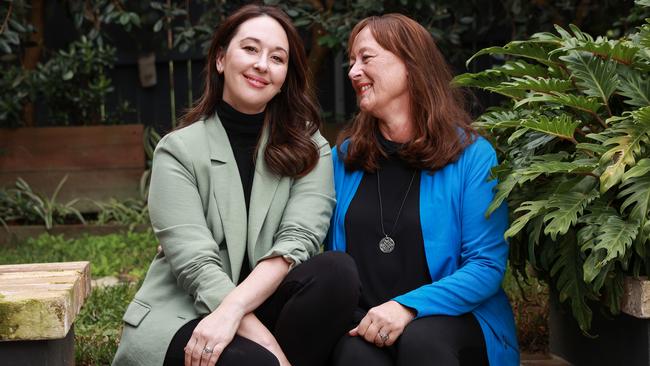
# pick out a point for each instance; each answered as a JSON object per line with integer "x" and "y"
{"x": 546, "y": 85}
{"x": 595, "y": 76}
{"x": 635, "y": 88}
{"x": 537, "y": 51}
{"x": 520, "y": 68}
{"x": 579, "y": 102}
{"x": 561, "y": 126}
{"x": 568, "y": 269}
{"x": 532, "y": 209}
{"x": 564, "y": 209}
{"x": 637, "y": 190}
{"x": 629, "y": 135}
{"x": 615, "y": 237}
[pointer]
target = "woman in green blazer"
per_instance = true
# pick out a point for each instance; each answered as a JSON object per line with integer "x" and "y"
{"x": 241, "y": 195}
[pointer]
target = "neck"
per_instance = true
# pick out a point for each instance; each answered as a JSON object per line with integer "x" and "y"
{"x": 397, "y": 129}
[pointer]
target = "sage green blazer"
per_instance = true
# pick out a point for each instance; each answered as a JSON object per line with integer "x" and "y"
{"x": 198, "y": 214}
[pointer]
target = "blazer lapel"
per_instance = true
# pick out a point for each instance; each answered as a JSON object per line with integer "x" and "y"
{"x": 265, "y": 183}
{"x": 228, "y": 192}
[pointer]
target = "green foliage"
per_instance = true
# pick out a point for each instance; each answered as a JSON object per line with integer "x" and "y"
{"x": 574, "y": 140}
{"x": 129, "y": 212}
{"x": 99, "y": 324}
{"x": 122, "y": 255}
{"x": 73, "y": 82}
{"x": 21, "y": 205}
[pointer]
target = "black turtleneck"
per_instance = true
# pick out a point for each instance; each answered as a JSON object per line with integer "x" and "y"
{"x": 386, "y": 275}
{"x": 243, "y": 132}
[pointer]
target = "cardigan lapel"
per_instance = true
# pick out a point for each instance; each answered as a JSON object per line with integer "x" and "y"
{"x": 228, "y": 192}
{"x": 265, "y": 183}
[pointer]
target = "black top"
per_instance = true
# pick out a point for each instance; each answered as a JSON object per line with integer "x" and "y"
{"x": 386, "y": 275}
{"x": 243, "y": 131}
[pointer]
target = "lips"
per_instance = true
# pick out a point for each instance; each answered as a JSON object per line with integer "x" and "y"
{"x": 256, "y": 81}
{"x": 362, "y": 88}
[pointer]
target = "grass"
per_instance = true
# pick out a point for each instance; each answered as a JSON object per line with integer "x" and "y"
{"x": 126, "y": 256}
{"x": 99, "y": 324}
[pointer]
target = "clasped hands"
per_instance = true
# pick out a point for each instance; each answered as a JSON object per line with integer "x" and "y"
{"x": 383, "y": 324}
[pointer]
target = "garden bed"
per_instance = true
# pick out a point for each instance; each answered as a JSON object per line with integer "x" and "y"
{"x": 14, "y": 234}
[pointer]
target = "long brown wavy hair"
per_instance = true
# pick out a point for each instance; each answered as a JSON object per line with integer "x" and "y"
{"x": 292, "y": 115}
{"x": 440, "y": 123}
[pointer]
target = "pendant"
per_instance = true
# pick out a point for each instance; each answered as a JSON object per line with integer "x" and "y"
{"x": 386, "y": 244}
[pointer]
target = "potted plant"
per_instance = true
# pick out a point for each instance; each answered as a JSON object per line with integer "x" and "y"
{"x": 573, "y": 135}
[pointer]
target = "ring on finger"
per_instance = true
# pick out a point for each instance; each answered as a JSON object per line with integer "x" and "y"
{"x": 384, "y": 337}
{"x": 207, "y": 349}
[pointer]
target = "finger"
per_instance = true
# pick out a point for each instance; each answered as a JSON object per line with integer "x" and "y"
{"x": 371, "y": 333}
{"x": 197, "y": 351}
{"x": 206, "y": 354}
{"x": 188, "y": 351}
{"x": 354, "y": 332}
{"x": 362, "y": 328}
{"x": 380, "y": 338}
{"x": 391, "y": 339}
{"x": 214, "y": 356}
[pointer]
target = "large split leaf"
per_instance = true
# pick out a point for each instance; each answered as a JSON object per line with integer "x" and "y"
{"x": 564, "y": 209}
{"x": 595, "y": 76}
{"x": 561, "y": 126}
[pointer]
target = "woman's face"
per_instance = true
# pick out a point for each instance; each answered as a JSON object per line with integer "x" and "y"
{"x": 378, "y": 77}
{"x": 254, "y": 65}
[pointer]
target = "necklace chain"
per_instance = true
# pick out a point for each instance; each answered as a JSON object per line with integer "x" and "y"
{"x": 399, "y": 212}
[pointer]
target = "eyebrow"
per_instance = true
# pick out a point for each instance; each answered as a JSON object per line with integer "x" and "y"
{"x": 277, "y": 48}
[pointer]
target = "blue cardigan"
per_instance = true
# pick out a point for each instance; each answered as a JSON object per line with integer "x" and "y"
{"x": 465, "y": 251}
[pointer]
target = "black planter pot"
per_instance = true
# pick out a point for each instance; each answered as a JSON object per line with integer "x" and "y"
{"x": 621, "y": 340}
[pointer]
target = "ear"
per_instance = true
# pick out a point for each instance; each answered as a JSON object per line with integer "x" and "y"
{"x": 219, "y": 61}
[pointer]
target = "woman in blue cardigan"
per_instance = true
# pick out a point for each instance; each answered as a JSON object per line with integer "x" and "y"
{"x": 412, "y": 186}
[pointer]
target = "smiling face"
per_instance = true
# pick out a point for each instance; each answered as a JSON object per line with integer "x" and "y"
{"x": 378, "y": 77}
{"x": 254, "y": 65}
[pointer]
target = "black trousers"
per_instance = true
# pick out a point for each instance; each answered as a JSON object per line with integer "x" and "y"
{"x": 427, "y": 341}
{"x": 308, "y": 313}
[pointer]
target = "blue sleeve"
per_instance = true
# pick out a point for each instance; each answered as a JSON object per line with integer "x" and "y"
{"x": 483, "y": 252}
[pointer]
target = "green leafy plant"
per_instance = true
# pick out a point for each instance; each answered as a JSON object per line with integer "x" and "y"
{"x": 130, "y": 212}
{"x": 574, "y": 139}
{"x": 22, "y": 205}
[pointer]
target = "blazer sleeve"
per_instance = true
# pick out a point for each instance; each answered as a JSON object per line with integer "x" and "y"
{"x": 483, "y": 252}
{"x": 179, "y": 222}
{"x": 307, "y": 213}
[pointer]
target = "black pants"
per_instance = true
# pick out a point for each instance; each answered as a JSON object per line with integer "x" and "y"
{"x": 308, "y": 313}
{"x": 428, "y": 341}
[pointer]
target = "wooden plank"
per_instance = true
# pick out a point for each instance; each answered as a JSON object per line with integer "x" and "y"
{"x": 41, "y": 300}
{"x": 70, "y": 148}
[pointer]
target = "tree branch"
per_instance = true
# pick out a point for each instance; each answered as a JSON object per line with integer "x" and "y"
{"x": 4, "y": 23}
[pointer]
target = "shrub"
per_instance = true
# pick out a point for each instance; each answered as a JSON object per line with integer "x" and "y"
{"x": 574, "y": 140}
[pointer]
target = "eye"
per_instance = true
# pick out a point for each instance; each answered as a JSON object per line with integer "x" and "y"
{"x": 365, "y": 58}
{"x": 250, "y": 49}
{"x": 277, "y": 59}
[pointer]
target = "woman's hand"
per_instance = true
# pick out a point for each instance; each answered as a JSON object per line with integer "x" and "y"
{"x": 212, "y": 335}
{"x": 383, "y": 324}
{"x": 252, "y": 328}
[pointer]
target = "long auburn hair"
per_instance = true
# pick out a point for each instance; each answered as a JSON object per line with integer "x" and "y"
{"x": 292, "y": 115}
{"x": 441, "y": 125}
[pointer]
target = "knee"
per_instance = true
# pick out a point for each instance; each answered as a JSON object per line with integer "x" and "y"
{"x": 425, "y": 338}
{"x": 338, "y": 270}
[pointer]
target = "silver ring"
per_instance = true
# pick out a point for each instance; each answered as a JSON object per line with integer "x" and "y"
{"x": 384, "y": 337}
{"x": 207, "y": 350}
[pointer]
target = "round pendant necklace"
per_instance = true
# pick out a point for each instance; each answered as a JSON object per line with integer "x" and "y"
{"x": 387, "y": 244}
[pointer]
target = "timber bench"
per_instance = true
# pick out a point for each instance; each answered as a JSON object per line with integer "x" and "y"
{"x": 38, "y": 305}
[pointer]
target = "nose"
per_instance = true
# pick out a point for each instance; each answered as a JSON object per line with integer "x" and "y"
{"x": 262, "y": 64}
{"x": 355, "y": 71}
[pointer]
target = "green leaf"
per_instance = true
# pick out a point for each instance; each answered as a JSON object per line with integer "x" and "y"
{"x": 636, "y": 88}
{"x": 532, "y": 209}
{"x": 579, "y": 102}
{"x": 595, "y": 76}
{"x": 68, "y": 75}
{"x": 615, "y": 237}
{"x": 637, "y": 191}
{"x": 546, "y": 85}
{"x": 483, "y": 79}
{"x": 564, "y": 211}
{"x": 568, "y": 269}
{"x": 520, "y": 68}
{"x": 537, "y": 51}
{"x": 499, "y": 119}
{"x": 628, "y": 138}
{"x": 158, "y": 25}
{"x": 561, "y": 126}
